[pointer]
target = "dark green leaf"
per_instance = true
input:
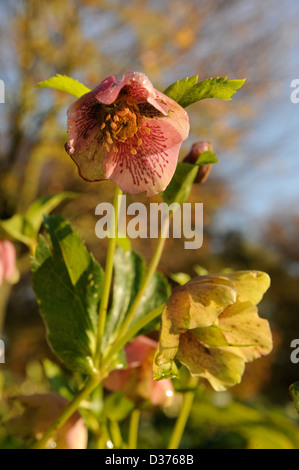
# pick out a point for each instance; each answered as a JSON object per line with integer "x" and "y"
{"x": 68, "y": 283}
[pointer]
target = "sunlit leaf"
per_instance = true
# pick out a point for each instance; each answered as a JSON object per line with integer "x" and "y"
{"x": 187, "y": 91}
{"x": 178, "y": 89}
{"x": 43, "y": 206}
{"x": 25, "y": 228}
{"x": 15, "y": 228}
{"x": 64, "y": 83}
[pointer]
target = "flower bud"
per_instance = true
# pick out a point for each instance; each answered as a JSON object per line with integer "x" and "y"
{"x": 203, "y": 170}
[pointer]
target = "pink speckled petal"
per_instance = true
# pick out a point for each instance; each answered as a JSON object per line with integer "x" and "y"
{"x": 154, "y": 164}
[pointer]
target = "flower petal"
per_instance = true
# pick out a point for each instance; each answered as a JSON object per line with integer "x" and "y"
{"x": 242, "y": 325}
{"x": 85, "y": 142}
{"x": 153, "y": 165}
{"x": 193, "y": 305}
{"x": 250, "y": 285}
{"x": 197, "y": 305}
{"x": 221, "y": 367}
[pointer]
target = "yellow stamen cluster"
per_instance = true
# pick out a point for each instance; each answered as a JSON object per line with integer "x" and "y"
{"x": 121, "y": 124}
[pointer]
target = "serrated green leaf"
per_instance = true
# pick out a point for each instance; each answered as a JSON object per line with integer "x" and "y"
{"x": 68, "y": 282}
{"x": 187, "y": 91}
{"x": 64, "y": 83}
{"x": 177, "y": 90}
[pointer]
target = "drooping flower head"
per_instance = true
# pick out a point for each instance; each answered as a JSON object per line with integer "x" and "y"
{"x": 128, "y": 132}
{"x": 211, "y": 325}
{"x": 136, "y": 380}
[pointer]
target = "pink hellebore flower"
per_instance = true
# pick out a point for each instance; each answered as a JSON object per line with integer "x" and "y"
{"x": 127, "y": 132}
{"x": 136, "y": 380}
{"x": 8, "y": 270}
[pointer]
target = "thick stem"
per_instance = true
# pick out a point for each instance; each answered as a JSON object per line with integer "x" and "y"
{"x": 133, "y": 431}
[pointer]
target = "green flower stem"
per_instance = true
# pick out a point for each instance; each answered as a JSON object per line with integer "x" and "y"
{"x": 91, "y": 384}
{"x": 133, "y": 431}
{"x": 108, "y": 277}
{"x": 182, "y": 419}
{"x": 116, "y": 435}
{"x": 123, "y": 340}
{"x": 150, "y": 272}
